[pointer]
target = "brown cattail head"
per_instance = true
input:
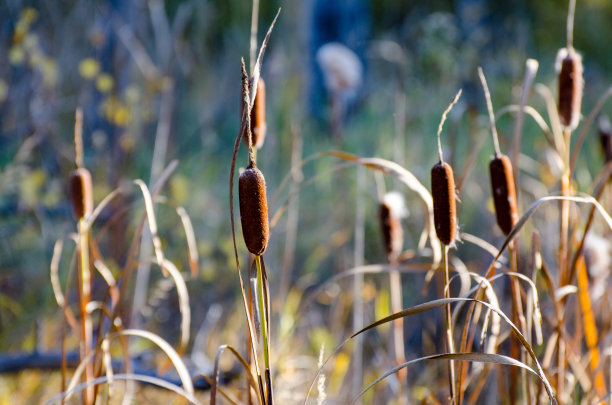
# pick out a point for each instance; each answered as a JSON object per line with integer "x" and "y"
{"x": 258, "y": 116}
{"x": 81, "y": 192}
{"x": 444, "y": 204}
{"x": 253, "y": 209}
{"x": 570, "y": 87}
{"x": 504, "y": 192}
{"x": 605, "y": 137}
{"x": 391, "y": 210}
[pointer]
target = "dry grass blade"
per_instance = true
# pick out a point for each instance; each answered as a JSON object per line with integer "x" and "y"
{"x": 553, "y": 116}
{"x": 531, "y": 210}
{"x": 183, "y": 297}
{"x": 472, "y": 357}
{"x": 126, "y": 377}
{"x": 257, "y": 69}
{"x": 395, "y": 170}
{"x": 223, "y": 392}
{"x": 146, "y": 195}
{"x": 585, "y": 128}
{"x": 446, "y": 301}
{"x": 590, "y": 327}
{"x": 214, "y": 381}
{"x": 178, "y": 363}
{"x": 531, "y": 69}
{"x": 109, "y": 197}
{"x": 107, "y": 275}
{"x": 533, "y": 113}
{"x": 189, "y": 234}
{"x": 55, "y": 281}
{"x": 481, "y": 243}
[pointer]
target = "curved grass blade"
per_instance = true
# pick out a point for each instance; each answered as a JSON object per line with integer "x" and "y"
{"x": 395, "y": 170}
{"x": 445, "y": 301}
{"x": 178, "y": 363}
{"x": 587, "y": 199}
{"x": 214, "y": 381}
{"x": 126, "y": 377}
{"x": 472, "y": 357}
{"x": 189, "y": 233}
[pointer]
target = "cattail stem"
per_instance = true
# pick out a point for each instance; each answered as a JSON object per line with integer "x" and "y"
{"x": 518, "y": 318}
{"x": 449, "y": 329}
{"x": 570, "y": 23}
{"x": 85, "y": 298}
{"x": 483, "y": 81}
{"x": 78, "y": 138}
{"x": 264, "y": 321}
{"x": 444, "y": 114}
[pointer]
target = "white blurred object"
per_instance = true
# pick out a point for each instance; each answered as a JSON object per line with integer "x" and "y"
{"x": 343, "y": 74}
{"x": 395, "y": 201}
{"x": 598, "y": 256}
{"x": 341, "y": 68}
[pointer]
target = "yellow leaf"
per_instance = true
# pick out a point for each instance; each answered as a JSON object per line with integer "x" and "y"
{"x": 89, "y": 68}
{"x": 29, "y": 15}
{"x": 16, "y": 55}
{"x": 105, "y": 83}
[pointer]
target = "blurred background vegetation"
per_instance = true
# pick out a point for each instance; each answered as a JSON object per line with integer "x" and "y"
{"x": 145, "y": 70}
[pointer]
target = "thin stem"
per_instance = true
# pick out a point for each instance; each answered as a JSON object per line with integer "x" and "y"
{"x": 487, "y": 94}
{"x": 78, "y": 137}
{"x": 253, "y": 45}
{"x": 263, "y": 313}
{"x": 443, "y": 119}
{"x": 518, "y": 318}
{"x": 570, "y": 24}
{"x": 85, "y": 297}
{"x": 247, "y": 113}
{"x": 449, "y": 330}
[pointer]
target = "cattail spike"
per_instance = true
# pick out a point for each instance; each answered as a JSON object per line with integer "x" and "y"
{"x": 253, "y": 209}
{"x": 444, "y": 204}
{"x": 258, "y": 116}
{"x": 391, "y": 210}
{"x": 504, "y": 192}
{"x": 81, "y": 192}
{"x": 570, "y": 87}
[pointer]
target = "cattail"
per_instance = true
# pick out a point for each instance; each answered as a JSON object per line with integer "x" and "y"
{"x": 253, "y": 209}
{"x": 444, "y": 204}
{"x": 504, "y": 192}
{"x": 570, "y": 87}
{"x": 81, "y": 192}
{"x": 502, "y": 176}
{"x": 605, "y": 136}
{"x": 258, "y": 116}
{"x": 443, "y": 190}
{"x": 391, "y": 210}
